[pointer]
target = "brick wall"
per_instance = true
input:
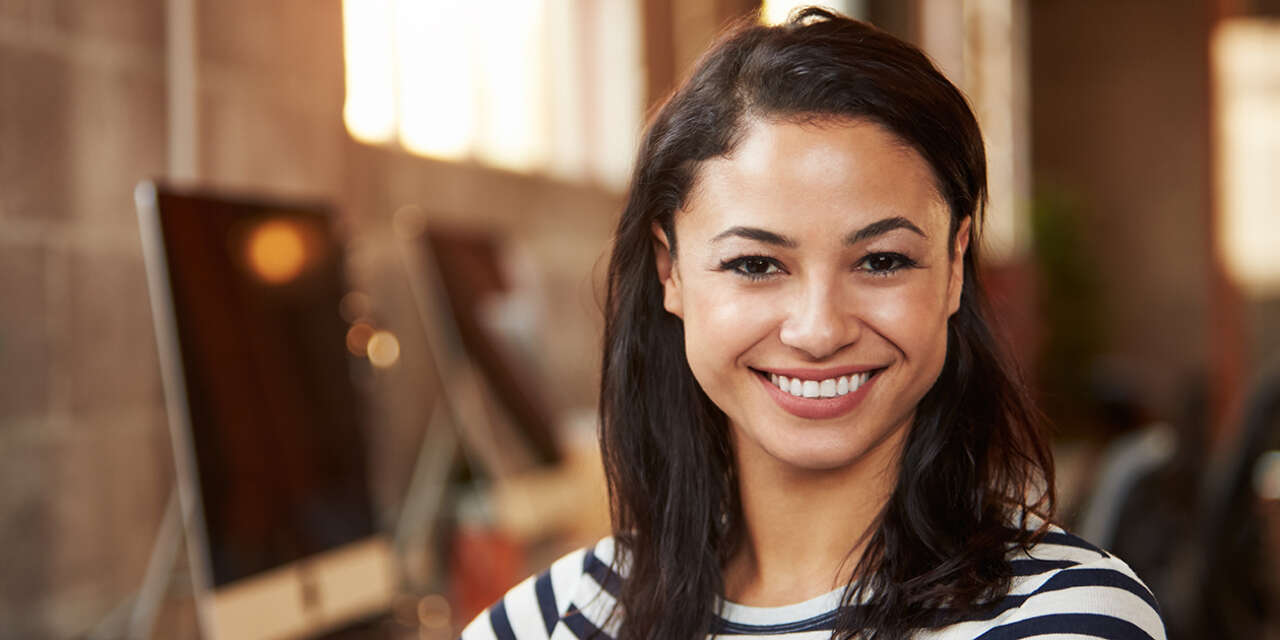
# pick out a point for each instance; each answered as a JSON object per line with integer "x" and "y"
{"x": 85, "y": 462}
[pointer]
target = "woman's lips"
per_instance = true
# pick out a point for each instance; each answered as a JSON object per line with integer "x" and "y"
{"x": 819, "y": 408}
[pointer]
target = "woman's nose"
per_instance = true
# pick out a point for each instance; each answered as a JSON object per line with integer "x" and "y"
{"x": 820, "y": 324}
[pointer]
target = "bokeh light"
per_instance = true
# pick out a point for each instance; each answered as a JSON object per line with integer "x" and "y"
{"x": 434, "y": 613}
{"x": 354, "y": 306}
{"x": 358, "y": 337}
{"x": 383, "y": 349}
{"x": 276, "y": 251}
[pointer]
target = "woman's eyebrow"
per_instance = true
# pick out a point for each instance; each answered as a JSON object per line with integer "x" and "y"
{"x": 877, "y": 228}
{"x": 881, "y": 227}
{"x": 757, "y": 234}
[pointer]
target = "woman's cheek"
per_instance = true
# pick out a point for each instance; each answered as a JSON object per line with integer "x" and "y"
{"x": 723, "y": 323}
{"x": 733, "y": 315}
{"x": 908, "y": 316}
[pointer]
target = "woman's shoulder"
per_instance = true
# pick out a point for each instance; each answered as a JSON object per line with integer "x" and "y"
{"x": 1065, "y": 585}
{"x": 1061, "y": 585}
{"x": 576, "y": 593}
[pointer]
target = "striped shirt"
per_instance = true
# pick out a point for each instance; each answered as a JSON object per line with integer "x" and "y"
{"x": 1063, "y": 587}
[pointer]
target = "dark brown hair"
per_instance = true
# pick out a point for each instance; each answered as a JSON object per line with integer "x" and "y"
{"x": 975, "y": 462}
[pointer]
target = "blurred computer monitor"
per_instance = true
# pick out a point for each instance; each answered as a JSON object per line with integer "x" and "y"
{"x": 267, "y": 424}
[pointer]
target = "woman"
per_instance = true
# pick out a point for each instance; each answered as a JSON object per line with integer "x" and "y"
{"x": 807, "y": 428}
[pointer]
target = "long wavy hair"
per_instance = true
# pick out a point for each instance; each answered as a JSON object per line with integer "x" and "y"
{"x": 975, "y": 463}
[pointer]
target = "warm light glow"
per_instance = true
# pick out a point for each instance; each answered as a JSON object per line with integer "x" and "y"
{"x": 383, "y": 349}
{"x": 620, "y": 90}
{"x": 276, "y": 251}
{"x": 436, "y": 76}
{"x": 777, "y": 11}
{"x": 523, "y": 85}
{"x": 358, "y": 337}
{"x": 568, "y": 144}
{"x": 513, "y": 74}
{"x": 1246, "y": 58}
{"x": 370, "y": 108}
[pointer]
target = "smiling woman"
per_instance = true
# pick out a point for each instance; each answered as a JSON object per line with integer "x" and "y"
{"x": 808, "y": 428}
{"x": 818, "y": 252}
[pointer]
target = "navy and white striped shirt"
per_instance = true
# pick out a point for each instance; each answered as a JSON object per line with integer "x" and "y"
{"x": 1063, "y": 588}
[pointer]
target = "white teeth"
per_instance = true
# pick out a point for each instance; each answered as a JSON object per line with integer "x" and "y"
{"x": 829, "y": 388}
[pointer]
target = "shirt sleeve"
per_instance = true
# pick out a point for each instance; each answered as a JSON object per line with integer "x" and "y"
{"x": 1099, "y": 599}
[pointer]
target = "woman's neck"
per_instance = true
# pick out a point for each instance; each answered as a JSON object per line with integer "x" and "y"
{"x": 804, "y": 530}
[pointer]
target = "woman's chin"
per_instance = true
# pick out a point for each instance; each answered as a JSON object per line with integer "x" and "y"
{"x": 817, "y": 456}
{"x": 807, "y": 450}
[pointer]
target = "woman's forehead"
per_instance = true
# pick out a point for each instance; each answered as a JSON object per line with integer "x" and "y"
{"x": 836, "y": 174}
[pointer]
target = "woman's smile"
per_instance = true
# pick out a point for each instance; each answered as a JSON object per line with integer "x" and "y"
{"x": 808, "y": 395}
{"x": 816, "y": 384}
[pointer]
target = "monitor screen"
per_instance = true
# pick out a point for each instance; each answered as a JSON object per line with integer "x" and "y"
{"x": 275, "y": 420}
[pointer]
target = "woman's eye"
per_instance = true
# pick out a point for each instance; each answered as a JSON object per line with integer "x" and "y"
{"x": 756, "y": 266}
{"x": 885, "y": 263}
{"x": 753, "y": 267}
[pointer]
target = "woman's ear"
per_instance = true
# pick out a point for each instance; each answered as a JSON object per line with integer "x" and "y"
{"x": 672, "y": 301}
{"x": 955, "y": 286}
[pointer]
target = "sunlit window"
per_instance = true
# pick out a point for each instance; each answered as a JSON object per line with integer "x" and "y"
{"x": 370, "y": 109}
{"x": 777, "y": 11}
{"x": 544, "y": 86}
{"x": 980, "y": 46}
{"x": 1246, "y": 61}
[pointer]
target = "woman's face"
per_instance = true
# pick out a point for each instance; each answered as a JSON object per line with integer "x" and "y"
{"x": 814, "y": 281}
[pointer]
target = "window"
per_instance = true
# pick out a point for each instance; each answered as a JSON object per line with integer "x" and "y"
{"x": 1246, "y": 65}
{"x": 534, "y": 86}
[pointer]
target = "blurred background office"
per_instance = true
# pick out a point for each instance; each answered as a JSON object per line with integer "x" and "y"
{"x": 1133, "y": 237}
